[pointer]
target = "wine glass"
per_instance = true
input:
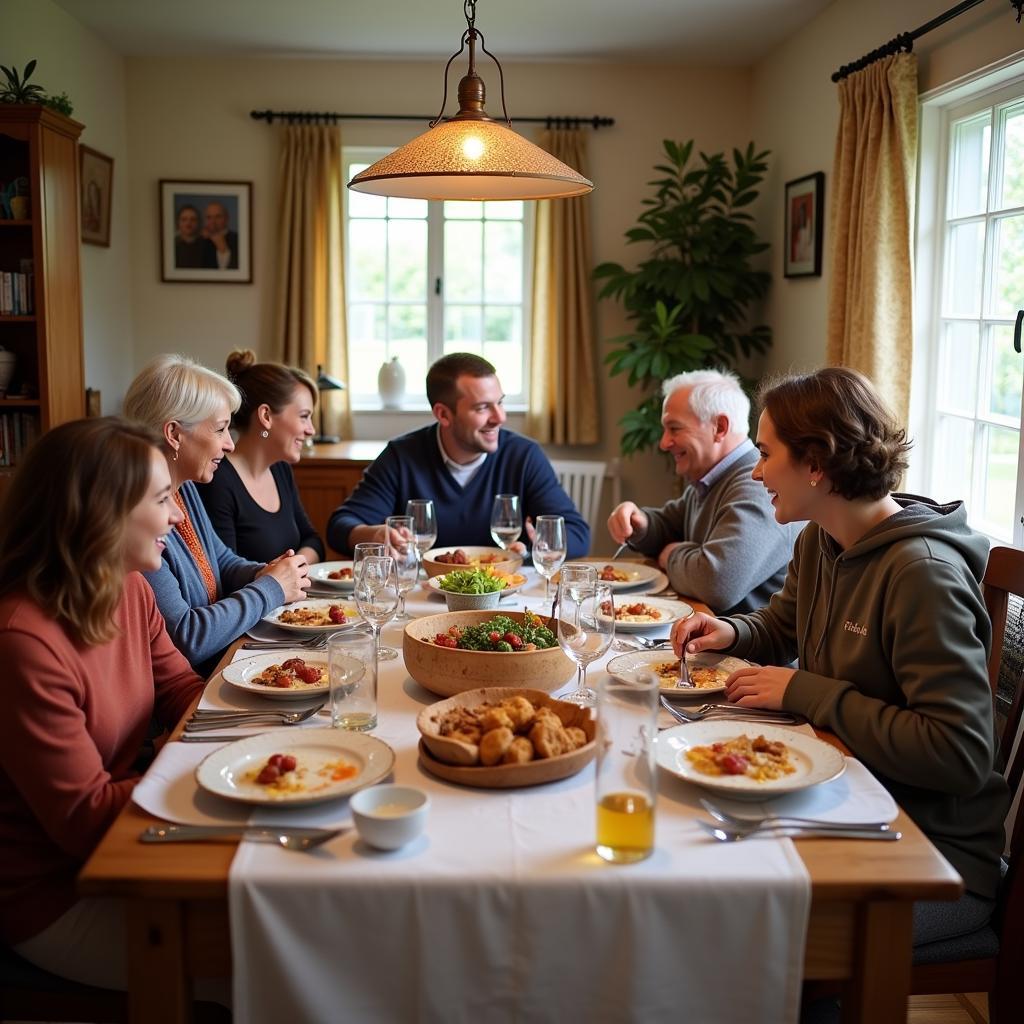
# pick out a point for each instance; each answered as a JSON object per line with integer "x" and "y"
{"x": 364, "y": 550}
{"x": 402, "y": 548}
{"x": 506, "y": 520}
{"x": 578, "y": 575}
{"x": 376, "y": 594}
{"x": 548, "y": 549}
{"x": 586, "y": 625}
{"x": 424, "y": 529}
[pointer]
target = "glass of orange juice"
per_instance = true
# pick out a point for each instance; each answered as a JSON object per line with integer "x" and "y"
{"x": 626, "y": 780}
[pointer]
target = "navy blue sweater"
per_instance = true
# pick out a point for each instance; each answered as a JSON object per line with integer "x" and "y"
{"x": 411, "y": 467}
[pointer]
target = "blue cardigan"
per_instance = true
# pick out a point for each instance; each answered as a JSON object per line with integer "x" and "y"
{"x": 411, "y": 467}
{"x": 200, "y": 630}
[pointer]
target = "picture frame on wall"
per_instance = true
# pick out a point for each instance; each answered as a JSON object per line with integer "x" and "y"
{"x": 206, "y": 231}
{"x": 805, "y": 213}
{"x": 96, "y": 179}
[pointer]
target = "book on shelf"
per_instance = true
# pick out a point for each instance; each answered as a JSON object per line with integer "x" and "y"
{"x": 17, "y": 431}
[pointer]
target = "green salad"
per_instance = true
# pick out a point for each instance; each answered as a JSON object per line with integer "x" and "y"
{"x": 471, "y": 581}
{"x": 500, "y": 634}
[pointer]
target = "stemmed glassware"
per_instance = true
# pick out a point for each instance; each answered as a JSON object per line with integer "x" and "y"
{"x": 585, "y": 627}
{"x": 361, "y": 552}
{"x": 402, "y": 548}
{"x": 506, "y": 520}
{"x": 548, "y": 549}
{"x": 424, "y": 524}
{"x": 376, "y": 594}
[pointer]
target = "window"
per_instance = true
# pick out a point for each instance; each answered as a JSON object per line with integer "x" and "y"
{"x": 427, "y": 278}
{"x": 970, "y": 379}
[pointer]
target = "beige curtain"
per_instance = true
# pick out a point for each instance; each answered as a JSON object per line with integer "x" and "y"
{"x": 310, "y": 325}
{"x": 563, "y": 382}
{"x": 871, "y": 216}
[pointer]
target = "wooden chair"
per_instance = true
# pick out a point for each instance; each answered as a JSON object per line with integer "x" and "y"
{"x": 992, "y": 960}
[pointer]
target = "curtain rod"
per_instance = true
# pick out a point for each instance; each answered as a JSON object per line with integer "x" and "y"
{"x": 905, "y": 40}
{"x": 309, "y": 117}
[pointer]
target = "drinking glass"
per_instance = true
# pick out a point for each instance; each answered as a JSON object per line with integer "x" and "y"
{"x": 585, "y": 626}
{"x": 402, "y": 548}
{"x": 578, "y": 575}
{"x": 352, "y": 669}
{"x": 424, "y": 528}
{"x": 376, "y": 596}
{"x": 548, "y": 549}
{"x": 625, "y": 783}
{"x": 506, "y": 520}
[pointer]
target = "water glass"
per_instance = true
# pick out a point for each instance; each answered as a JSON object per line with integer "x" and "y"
{"x": 352, "y": 669}
{"x": 424, "y": 524}
{"x": 376, "y": 596}
{"x": 506, "y": 520}
{"x": 626, "y": 782}
{"x": 585, "y": 628}
{"x": 548, "y": 549}
{"x": 402, "y": 548}
{"x": 579, "y": 576}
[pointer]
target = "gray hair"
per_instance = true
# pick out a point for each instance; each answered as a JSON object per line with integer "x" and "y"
{"x": 174, "y": 387}
{"x": 714, "y": 393}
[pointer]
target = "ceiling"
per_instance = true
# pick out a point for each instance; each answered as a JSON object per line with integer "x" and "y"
{"x": 706, "y": 32}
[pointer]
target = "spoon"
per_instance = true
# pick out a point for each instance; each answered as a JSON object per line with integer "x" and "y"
{"x": 783, "y": 820}
{"x": 728, "y": 835}
{"x": 291, "y": 838}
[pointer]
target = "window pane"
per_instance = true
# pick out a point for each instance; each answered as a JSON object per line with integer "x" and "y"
{"x": 958, "y": 368}
{"x": 508, "y": 361}
{"x": 412, "y": 354}
{"x": 463, "y": 210}
{"x": 998, "y": 497}
{"x": 363, "y": 363}
{"x": 502, "y": 210}
{"x": 407, "y": 259}
{"x": 1007, "y": 374}
{"x": 359, "y": 203}
{"x": 503, "y": 323}
{"x": 405, "y": 324}
{"x": 367, "y": 246}
{"x": 954, "y": 459}
{"x": 411, "y": 208}
{"x": 503, "y": 262}
{"x": 964, "y": 252}
{"x": 462, "y": 326}
{"x": 462, "y": 271}
{"x": 1012, "y": 183}
{"x": 968, "y": 178}
{"x": 1007, "y": 293}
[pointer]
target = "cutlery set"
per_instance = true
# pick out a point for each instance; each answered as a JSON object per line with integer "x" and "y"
{"x": 728, "y": 711}
{"x": 731, "y": 829}
{"x": 204, "y": 723}
{"x": 290, "y": 837}
{"x": 311, "y": 643}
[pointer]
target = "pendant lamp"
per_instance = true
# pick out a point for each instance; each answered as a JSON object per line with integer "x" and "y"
{"x": 471, "y": 155}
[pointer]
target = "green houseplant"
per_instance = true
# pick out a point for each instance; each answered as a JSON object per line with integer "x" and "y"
{"x": 689, "y": 301}
{"x": 16, "y": 89}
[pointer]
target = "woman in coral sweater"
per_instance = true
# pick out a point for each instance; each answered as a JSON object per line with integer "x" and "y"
{"x": 87, "y": 665}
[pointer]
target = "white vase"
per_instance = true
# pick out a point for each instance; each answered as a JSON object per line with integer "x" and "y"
{"x": 391, "y": 384}
{"x": 8, "y": 360}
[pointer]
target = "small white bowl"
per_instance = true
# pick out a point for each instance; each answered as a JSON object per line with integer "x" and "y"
{"x": 389, "y": 816}
{"x": 471, "y": 602}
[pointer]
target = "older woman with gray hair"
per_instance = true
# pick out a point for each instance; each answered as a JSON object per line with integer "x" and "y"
{"x": 207, "y": 594}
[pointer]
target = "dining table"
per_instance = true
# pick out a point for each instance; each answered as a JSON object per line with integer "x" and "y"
{"x": 178, "y": 897}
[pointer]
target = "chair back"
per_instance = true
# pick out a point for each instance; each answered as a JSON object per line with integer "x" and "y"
{"x": 583, "y": 482}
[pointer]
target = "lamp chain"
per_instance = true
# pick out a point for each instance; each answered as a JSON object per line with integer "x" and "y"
{"x": 469, "y": 9}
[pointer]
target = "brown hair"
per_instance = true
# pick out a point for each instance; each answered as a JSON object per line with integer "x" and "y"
{"x": 442, "y": 376}
{"x": 63, "y": 520}
{"x": 834, "y": 419}
{"x": 270, "y": 384}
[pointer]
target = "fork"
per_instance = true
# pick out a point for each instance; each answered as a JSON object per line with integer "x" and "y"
{"x": 731, "y": 835}
{"x": 782, "y": 820}
{"x": 719, "y": 711}
{"x": 216, "y": 720}
{"x": 312, "y": 643}
{"x": 291, "y": 838}
{"x": 640, "y": 643}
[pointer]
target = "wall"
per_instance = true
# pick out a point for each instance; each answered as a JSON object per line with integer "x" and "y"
{"x": 189, "y": 119}
{"x": 73, "y": 60}
{"x": 795, "y": 113}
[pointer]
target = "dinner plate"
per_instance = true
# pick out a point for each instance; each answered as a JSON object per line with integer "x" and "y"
{"x": 230, "y": 771}
{"x": 350, "y": 612}
{"x": 669, "y": 612}
{"x": 320, "y": 575}
{"x": 242, "y": 674}
{"x": 434, "y": 584}
{"x": 630, "y": 665}
{"x": 643, "y": 579}
{"x": 814, "y": 761}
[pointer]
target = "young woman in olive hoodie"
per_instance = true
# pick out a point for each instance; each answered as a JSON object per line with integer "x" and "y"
{"x": 882, "y": 610}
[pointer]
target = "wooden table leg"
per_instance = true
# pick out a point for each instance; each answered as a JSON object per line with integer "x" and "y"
{"x": 880, "y": 988}
{"x": 158, "y": 986}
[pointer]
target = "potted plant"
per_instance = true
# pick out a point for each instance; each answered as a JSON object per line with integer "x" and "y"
{"x": 689, "y": 301}
{"x": 16, "y": 89}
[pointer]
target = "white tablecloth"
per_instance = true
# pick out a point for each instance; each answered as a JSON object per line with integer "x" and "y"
{"x": 501, "y": 911}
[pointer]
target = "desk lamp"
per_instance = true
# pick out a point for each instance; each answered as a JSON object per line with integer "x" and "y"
{"x": 325, "y": 382}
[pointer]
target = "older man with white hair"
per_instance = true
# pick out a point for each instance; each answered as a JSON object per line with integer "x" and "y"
{"x": 719, "y": 542}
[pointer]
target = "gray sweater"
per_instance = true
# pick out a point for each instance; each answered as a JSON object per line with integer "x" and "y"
{"x": 732, "y": 554}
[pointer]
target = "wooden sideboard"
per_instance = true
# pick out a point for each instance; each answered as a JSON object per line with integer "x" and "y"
{"x": 328, "y": 474}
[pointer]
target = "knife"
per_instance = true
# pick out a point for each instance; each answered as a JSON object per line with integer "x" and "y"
{"x": 229, "y": 833}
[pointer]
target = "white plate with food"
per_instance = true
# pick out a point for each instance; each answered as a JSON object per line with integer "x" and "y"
{"x": 322, "y": 616}
{"x": 514, "y": 581}
{"x": 630, "y": 577}
{"x": 332, "y": 575}
{"x": 634, "y": 613}
{"x": 708, "y": 671}
{"x": 328, "y": 763}
{"x": 281, "y": 675}
{"x": 747, "y": 760}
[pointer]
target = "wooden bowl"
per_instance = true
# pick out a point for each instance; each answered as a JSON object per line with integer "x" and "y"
{"x": 447, "y": 671}
{"x": 447, "y": 758}
{"x": 507, "y": 563}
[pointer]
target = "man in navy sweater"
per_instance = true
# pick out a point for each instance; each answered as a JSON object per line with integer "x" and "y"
{"x": 461, "y": 463}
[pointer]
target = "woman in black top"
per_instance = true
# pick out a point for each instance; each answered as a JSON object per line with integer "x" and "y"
{"x": 252, "y": 500}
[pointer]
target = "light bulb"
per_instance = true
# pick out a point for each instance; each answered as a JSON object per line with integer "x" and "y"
{"x": 473, "y": 148}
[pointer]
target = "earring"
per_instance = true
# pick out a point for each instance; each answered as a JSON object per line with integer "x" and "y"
{"x": 265, "y": 434}
{"x": 814, "y": 483}
{"x": 175, "y": 454}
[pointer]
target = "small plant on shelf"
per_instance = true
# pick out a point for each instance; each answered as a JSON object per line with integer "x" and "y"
{"x": 17, "y": 89}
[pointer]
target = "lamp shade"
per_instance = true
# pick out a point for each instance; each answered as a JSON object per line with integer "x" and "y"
{"x": 325, "y": 382}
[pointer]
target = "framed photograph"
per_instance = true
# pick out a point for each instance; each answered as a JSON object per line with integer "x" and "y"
{"x": 206, "y": 231}
{"x": 96, "y": 175}
{"x": 805, "y": 214}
